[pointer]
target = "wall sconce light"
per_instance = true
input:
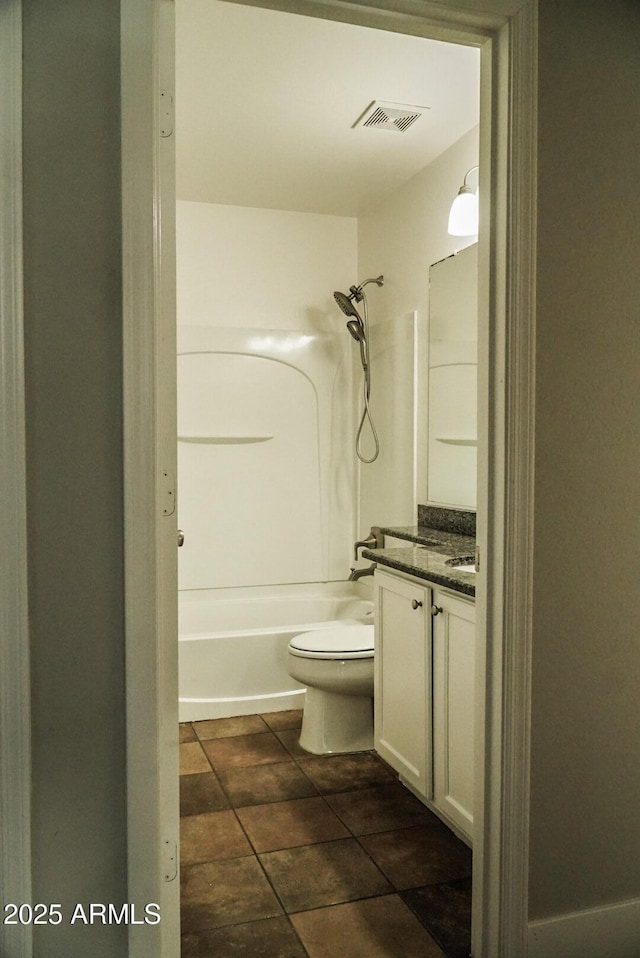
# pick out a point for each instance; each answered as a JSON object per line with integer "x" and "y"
{"x": 463, "y": 216}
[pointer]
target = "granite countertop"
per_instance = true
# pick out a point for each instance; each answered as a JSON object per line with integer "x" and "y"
{"x": 426, "y": 556}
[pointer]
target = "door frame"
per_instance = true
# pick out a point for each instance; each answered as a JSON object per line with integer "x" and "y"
{"x": 150, "y": 466}
{"x": 506, "y": 32}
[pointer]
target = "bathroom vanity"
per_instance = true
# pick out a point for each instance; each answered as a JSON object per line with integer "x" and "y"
{"x": 425, "y": 671}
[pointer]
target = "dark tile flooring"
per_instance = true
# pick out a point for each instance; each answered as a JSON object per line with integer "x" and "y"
{"x": 286, "y": 854}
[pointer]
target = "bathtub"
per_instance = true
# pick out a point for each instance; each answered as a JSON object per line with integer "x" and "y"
{"x": 233, "y": 644}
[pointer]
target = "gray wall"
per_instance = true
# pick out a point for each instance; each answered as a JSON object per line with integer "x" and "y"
{"x": 585, "y": 772}
{"x": 73, "y": 320}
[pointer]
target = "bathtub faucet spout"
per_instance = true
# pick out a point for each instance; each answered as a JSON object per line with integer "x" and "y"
{"x": 359, "y": 573}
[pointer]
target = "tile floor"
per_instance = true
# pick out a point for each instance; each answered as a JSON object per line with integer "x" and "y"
{"x": 286, "y": 854}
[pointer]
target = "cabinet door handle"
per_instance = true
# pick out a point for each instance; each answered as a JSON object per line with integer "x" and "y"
{"x": 415, "y": 604}
{"x": 435, "y": 609}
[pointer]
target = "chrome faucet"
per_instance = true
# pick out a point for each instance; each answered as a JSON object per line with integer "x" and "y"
{"x": 359, "y": 573}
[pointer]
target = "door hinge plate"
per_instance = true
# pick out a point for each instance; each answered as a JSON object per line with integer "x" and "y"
{"x": 167, "y": 493}
{"x": 166, "y": 113}
{"x": 170, "y": 860}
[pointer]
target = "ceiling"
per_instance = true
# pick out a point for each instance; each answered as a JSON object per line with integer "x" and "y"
{"x": 266, "y": 102}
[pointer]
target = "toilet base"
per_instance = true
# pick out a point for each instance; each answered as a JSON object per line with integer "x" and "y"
{"x": 336, "y": 723}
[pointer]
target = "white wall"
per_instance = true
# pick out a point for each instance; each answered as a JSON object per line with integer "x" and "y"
{"x": 284, "y": 509}
{"x": 245, "y": 267}
{"x": 402, "y": 238}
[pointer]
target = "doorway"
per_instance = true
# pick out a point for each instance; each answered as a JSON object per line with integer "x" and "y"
{"x": 501, "y": 166}
{"x": 290, "y": 185}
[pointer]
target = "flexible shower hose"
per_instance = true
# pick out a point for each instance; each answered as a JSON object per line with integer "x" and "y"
{"x": 366, "y": 391}
{"x": 366, "y": 415}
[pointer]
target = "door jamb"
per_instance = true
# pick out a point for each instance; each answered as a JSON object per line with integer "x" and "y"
{"x": 150, "y": 454}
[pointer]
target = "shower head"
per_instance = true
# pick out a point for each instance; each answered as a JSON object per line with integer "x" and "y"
{"x": 356, "y": 329}
{"x": 358, "y": 332}
{"x": 346, "y": 305}
{"x": 355, "y": 295}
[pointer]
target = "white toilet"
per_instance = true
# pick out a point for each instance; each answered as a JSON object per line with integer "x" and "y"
{"x": 336, "y": 665}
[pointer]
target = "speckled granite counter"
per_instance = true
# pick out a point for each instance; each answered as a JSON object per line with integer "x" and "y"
{"x": 426, "y": 556}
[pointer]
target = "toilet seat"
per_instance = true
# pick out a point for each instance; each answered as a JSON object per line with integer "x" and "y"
{"x": 341, "y": 642}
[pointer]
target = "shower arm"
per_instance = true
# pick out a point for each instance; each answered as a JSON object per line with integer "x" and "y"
{"x": 356, "y": 291}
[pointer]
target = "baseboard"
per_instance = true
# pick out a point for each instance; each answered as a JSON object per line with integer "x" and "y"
{"x": 613, "y": 930}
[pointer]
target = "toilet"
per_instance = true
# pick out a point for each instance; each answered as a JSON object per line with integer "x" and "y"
{"x": 336, "y": 665}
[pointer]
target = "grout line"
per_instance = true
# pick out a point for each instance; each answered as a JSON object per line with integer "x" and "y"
{"x": 215, "y": 738}
{"x": 296, "y": 760}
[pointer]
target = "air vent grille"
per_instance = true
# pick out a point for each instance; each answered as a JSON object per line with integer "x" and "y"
{"x": 395, "y": 117}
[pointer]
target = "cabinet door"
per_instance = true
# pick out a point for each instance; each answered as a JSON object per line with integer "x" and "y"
{"x": 403, "y": 679}
{"x": 453, "y": 708}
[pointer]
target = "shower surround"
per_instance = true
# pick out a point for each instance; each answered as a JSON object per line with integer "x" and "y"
{"x": 266, "y": 503}
{"x": 266, "y": 475}
{"x": 268, "y": 389}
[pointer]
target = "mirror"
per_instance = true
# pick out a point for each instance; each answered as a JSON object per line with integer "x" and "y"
{"x": 453, "y": 364}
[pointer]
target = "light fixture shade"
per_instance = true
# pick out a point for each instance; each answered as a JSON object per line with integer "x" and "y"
{"x": 463, "y": 217}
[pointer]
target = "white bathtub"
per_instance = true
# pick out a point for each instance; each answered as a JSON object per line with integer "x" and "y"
{"x": 233, "y": 644}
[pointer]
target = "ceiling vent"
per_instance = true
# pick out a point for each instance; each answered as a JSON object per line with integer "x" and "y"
{"x": 395, "y": 117}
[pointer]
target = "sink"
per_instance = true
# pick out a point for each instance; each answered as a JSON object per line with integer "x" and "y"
{"x": 463, "y": 563}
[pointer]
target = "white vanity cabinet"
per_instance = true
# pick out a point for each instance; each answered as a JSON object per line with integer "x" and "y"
{"x": 453, "y": 642}
{"x": 424, "y": 692}
{"x": 403, "y": 684}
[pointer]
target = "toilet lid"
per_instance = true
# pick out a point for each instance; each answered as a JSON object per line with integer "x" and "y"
{"x": 340, "y": 642}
